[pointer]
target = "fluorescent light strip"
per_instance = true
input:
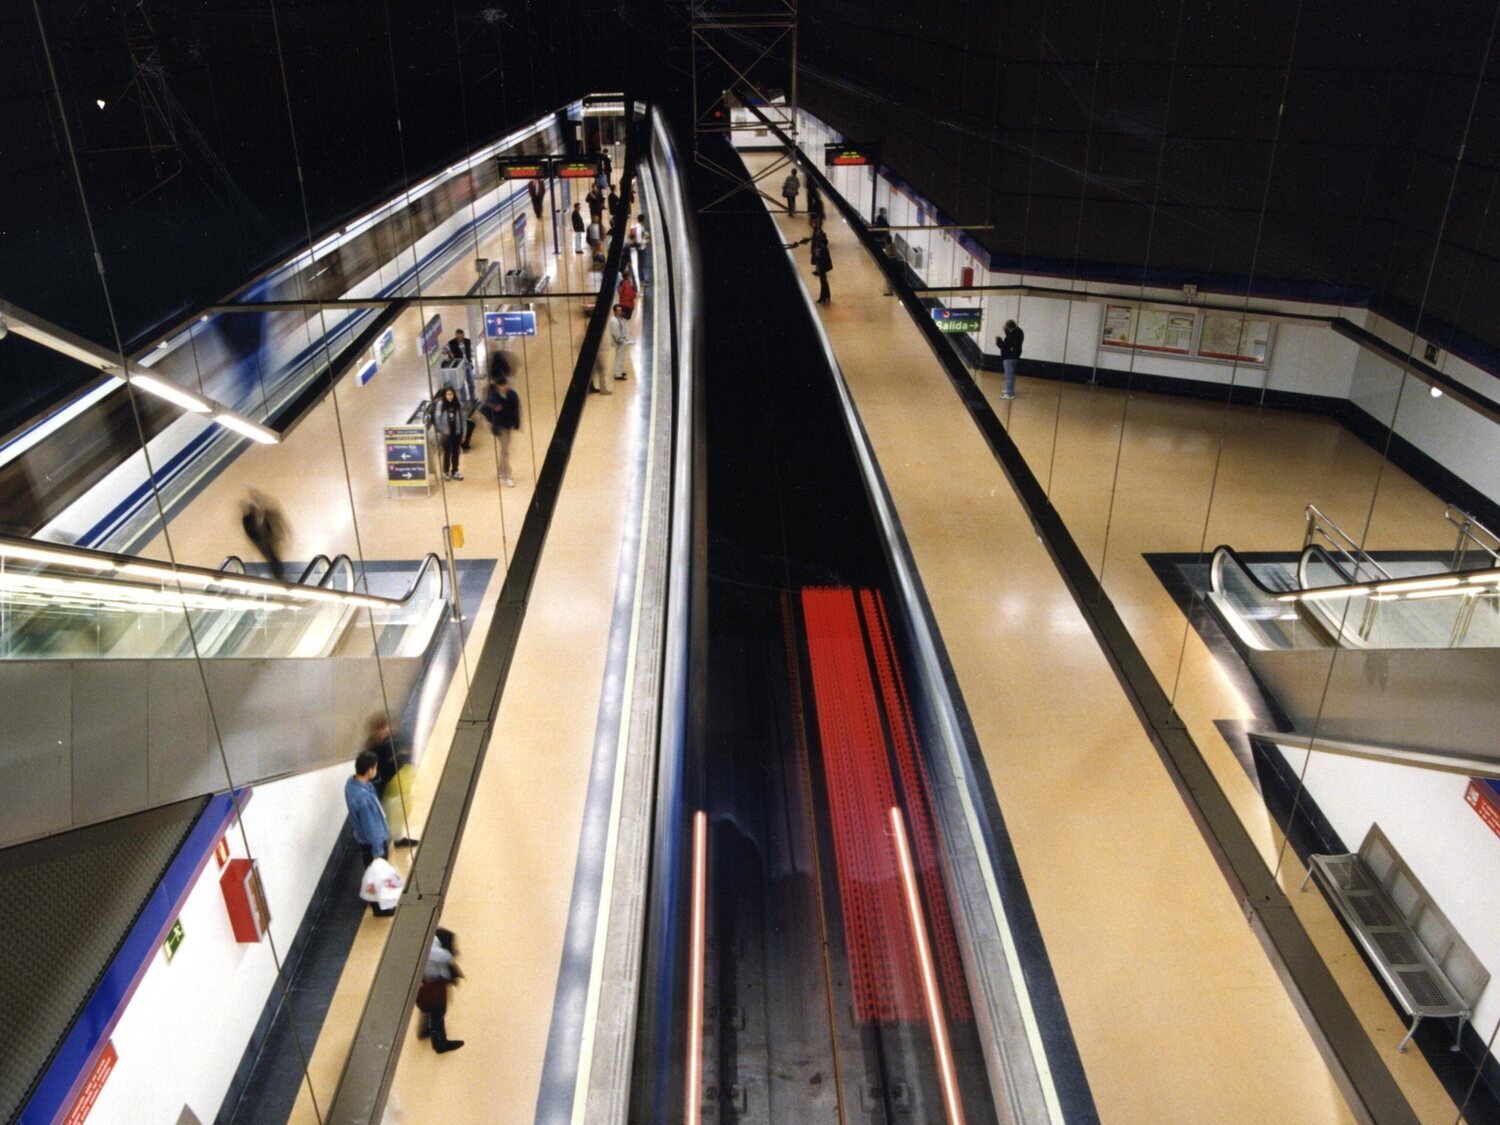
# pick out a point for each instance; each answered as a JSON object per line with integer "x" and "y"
{"x": 55, "y": 558}
{"x": 174, "y": 394}
{"x": 693, "y": 1079}
{"x": 952, "y": 1102}
{"x": 249, "y": 429}
{"x": 167, "y": 574}
{"x": 1405, "y": 584}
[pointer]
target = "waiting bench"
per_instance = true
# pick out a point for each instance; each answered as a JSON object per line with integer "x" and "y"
{"x": 1409, "y": 970}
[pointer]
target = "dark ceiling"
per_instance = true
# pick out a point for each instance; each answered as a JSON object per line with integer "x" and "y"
{"x": 1117, "y": 134}
{"x": 1094, "y": 134}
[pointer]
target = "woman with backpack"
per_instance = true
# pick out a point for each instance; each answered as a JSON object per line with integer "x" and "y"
{"x": 822, "y": 261}
{"x": 450, "y": 424}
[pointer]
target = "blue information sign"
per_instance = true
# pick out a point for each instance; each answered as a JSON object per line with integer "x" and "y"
{"x": 406, "y": 456}
{"x": 367, "y": 372}
{"x": 499, "y": 324}
{"x": 957, "y": 320}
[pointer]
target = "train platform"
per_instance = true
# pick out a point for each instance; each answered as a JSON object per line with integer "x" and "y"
{"x": 1158, "y": 971}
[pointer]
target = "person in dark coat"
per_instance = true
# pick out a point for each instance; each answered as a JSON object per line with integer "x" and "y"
{"x": 1010, "y": 355}
{"x": 822, "y": 261}
{"x": 266, "y": 528}
{"x": 538, "y": 192}
{"x": 579, "y": 226}
{"x": 502, "y": 409}
{"x": 595, "y": 200}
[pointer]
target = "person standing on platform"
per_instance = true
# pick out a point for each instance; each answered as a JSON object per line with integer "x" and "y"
{"x": 266, "y": 528}
{"x": 538, "y": 192}
{"x": 1010, "y": 355}
{"x": 366, "y": 817}
{"x": 449, "y": 422}
{"x": 614, "y": 207}
{"x": 579, "y": 226}
{"x": 627, "y": 295}
{"x": 619, "y": 338}
{"x": 814, "y": 203}
{"x": 440, "y": 974}
{"x": 642, "y": 249}
{"x": 881, "y": 229}
{"x": 822, "y": 261}
{"x": 791, "y": 187}
{"x": 461, "y": 351}
{"x": 595, "y": 200}
{"x": 502, "y": 408}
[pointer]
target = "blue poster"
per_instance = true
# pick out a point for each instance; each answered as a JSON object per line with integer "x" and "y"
{"x": 500, "y": 324}
{"x": 957, "y": 320}
{"x": 366, "y": 372}
{"x": 432, "y": 339}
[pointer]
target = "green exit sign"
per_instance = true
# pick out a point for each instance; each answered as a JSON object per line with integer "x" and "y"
{"x": 174, "y": 939}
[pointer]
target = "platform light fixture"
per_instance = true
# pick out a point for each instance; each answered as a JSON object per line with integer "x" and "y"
{"x": 100, "y": 359}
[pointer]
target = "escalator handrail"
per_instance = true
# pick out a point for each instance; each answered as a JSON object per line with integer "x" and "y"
{"x": 1313, "y": 551}
{"x": 111, "y": 567}
{"x": 308, "y": 577}
{"x": 232, "y": 564}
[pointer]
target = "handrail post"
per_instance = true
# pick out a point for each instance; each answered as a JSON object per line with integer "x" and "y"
{"x": 458, "y": 609}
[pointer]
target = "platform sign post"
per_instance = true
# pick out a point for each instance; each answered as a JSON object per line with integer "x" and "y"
{"x": 406, "y": 457}
{"x": 521, "y": 322}
{"x": 953, "y": 321}
{"x": 518, "y": 233}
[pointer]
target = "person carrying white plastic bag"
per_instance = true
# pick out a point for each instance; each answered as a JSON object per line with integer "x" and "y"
{"x": 381, "y": 886}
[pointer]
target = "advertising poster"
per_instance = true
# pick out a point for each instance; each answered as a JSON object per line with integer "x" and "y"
{"x": 385, "y": 347}
{"x": 432, "y": 340}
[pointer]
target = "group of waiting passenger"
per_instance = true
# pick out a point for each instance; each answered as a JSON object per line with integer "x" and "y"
{"x": 458, "y": 408}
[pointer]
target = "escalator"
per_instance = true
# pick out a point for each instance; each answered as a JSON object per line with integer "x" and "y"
{"x": 1394, "y": 665}
{"x": 135, "y": 684}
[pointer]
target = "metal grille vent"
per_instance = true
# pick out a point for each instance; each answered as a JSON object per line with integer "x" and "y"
{"x": 1424, "y": 989}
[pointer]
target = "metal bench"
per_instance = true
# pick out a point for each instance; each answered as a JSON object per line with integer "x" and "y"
{"x": 1409, "y": 970}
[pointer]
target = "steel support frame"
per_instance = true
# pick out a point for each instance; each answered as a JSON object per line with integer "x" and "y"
{"x": 709, "y": 32}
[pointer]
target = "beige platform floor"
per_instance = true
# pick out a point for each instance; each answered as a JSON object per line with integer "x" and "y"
{"x": 1176, "y": 1010}
{"x": 512, "y": 883}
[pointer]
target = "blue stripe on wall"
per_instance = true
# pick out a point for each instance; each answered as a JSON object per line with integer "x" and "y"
{"x": 74, "y": 1060}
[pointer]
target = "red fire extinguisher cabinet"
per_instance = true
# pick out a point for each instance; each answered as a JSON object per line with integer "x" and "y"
{"x": 246, "y": 900}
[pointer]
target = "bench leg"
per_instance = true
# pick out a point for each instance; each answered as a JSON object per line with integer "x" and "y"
{"x": 1305, "y": 878}
{"x": 1458, "y": 1036}
{"x": 1416, "y": 1021}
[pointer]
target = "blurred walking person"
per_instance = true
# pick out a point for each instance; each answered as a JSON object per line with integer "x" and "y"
{"x": 393, "y": 776}
{"x": 538, "y": 192}
{"x": 502, "y": 409}
{"x": 438, "y": 977}
{"x": 266, "y": 528}
{"x": 627, "y": 295}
